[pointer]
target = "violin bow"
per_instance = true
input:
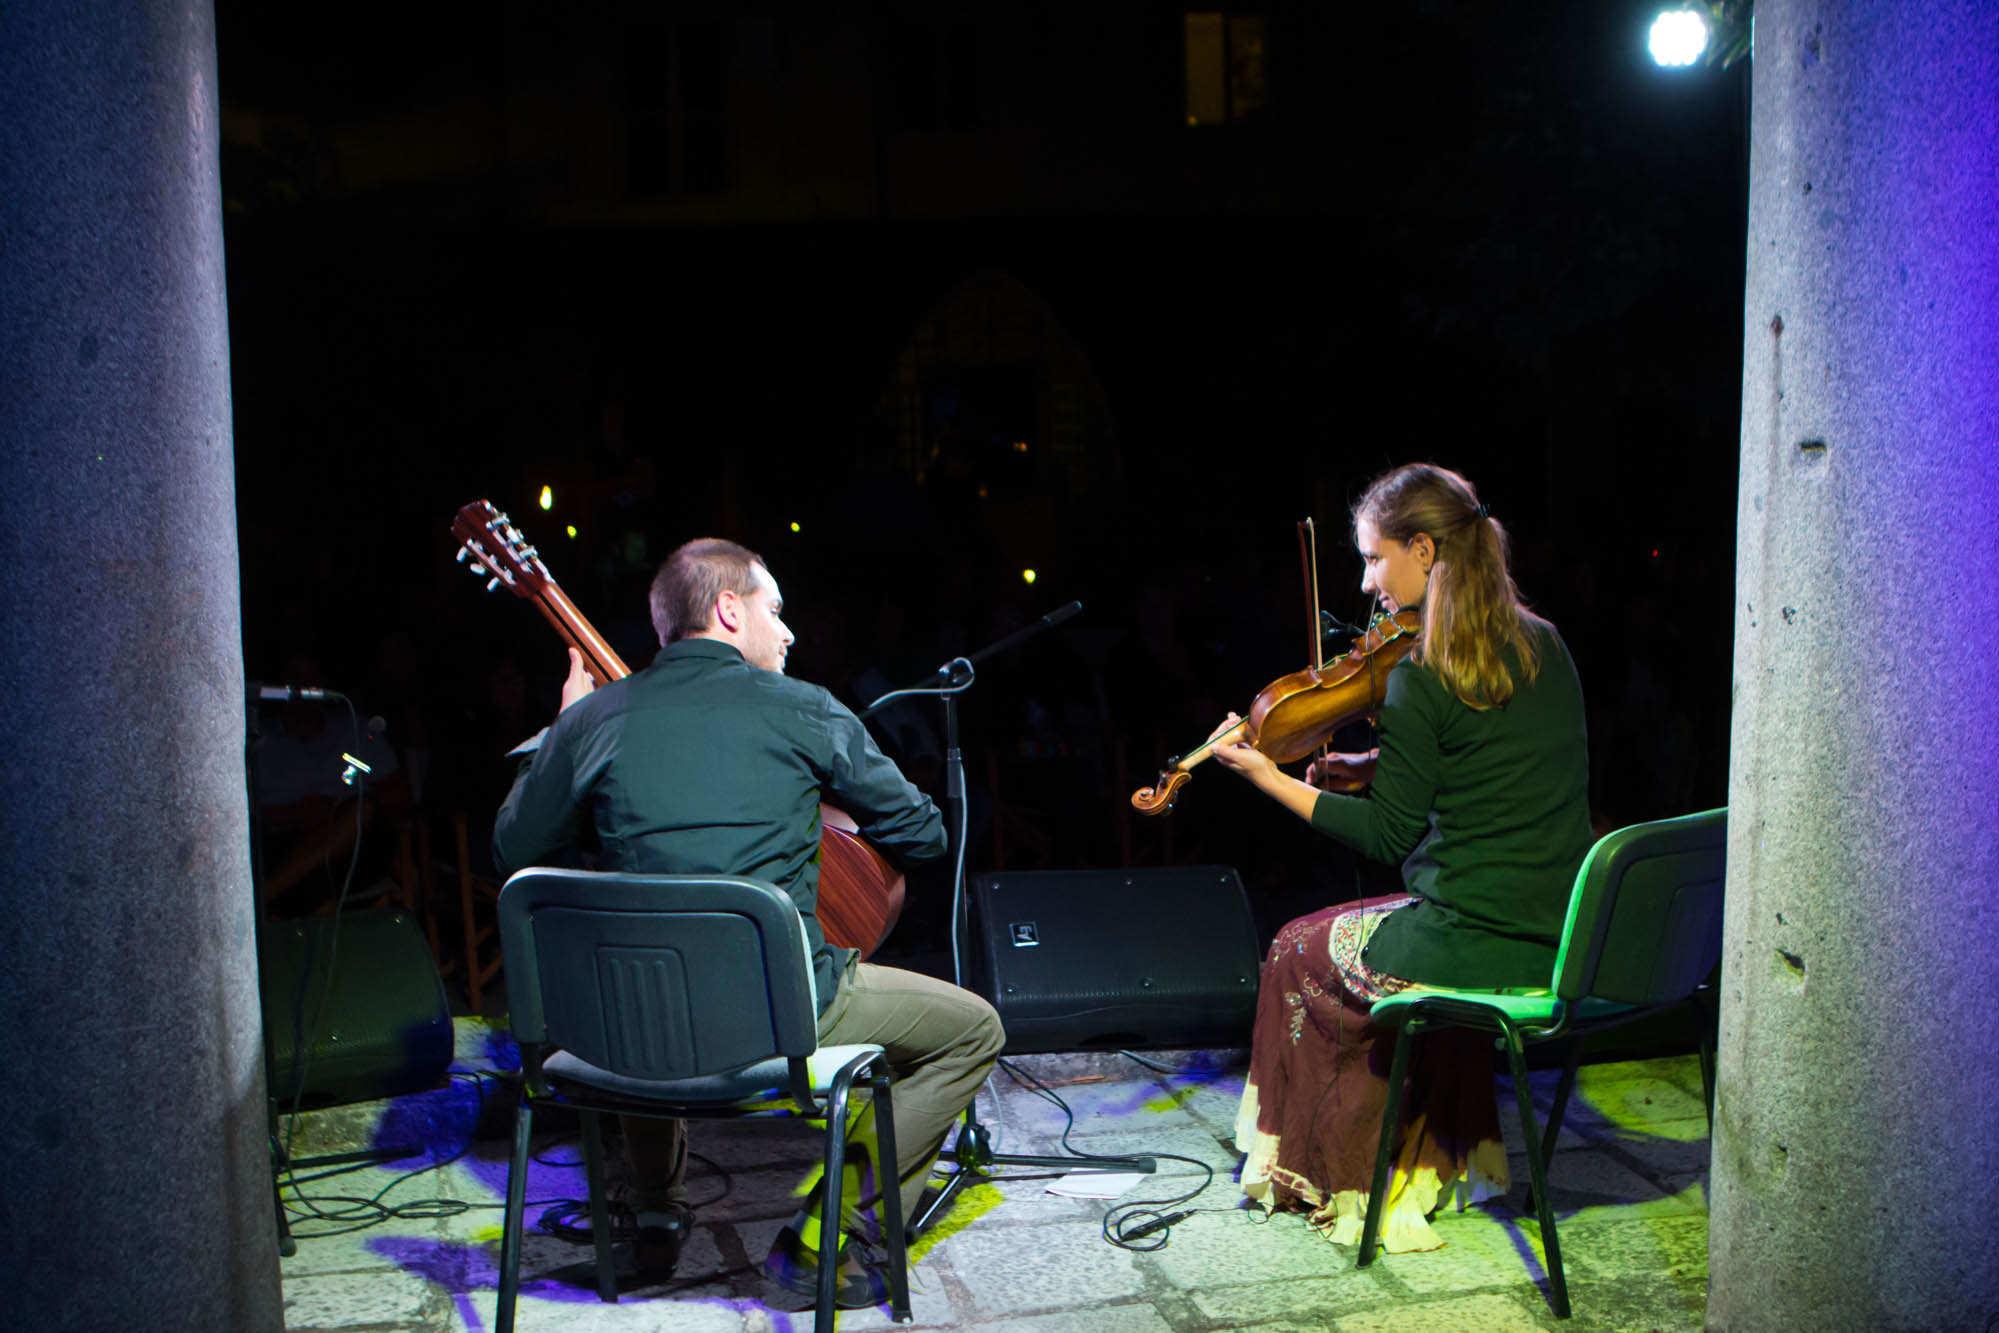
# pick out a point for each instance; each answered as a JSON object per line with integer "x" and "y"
{"x": 1308, "y": 553}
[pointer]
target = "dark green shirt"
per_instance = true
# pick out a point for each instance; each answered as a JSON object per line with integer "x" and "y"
{"x": 1488, "y": 810}
{"x": 704, "y": 764}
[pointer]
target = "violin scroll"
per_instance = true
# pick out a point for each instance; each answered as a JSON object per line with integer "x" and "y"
{"x": 1157, "y": 800}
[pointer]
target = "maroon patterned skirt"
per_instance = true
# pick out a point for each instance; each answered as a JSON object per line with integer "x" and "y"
{"x": 1318, "y": 1082}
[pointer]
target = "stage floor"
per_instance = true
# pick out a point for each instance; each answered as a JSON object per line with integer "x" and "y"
{"x": 1629, "y": 1183}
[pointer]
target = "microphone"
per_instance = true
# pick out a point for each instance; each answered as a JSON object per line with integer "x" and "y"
{"x": 285, "y": 693}
{"x": 1060, "y": 614}
{"x": 1332, "y": 627}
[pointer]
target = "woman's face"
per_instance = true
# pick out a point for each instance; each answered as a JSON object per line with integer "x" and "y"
{"x": 1396, "y": 573}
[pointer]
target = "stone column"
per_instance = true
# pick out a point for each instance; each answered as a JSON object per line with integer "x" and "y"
{"x": 138, "y": 1193}
{"x": 1857, "y": 1134}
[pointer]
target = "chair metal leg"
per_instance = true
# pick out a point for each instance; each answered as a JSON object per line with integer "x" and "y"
{"x": 1537, "y": 1172}
{"x": 600, "y": 1211}
{"x": 1370, "y": 1232}
{"x": 510, "y": 1227}
{"x": 888, "y": 1178}
{"x": 1563, "y": 1089}
{"x": 831, "y": 1200}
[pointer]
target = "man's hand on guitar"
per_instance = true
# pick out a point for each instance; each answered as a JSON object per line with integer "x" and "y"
{"x": 579, "y": 682}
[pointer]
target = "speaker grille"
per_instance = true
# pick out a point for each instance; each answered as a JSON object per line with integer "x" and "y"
{"x": 1087, "y": 959}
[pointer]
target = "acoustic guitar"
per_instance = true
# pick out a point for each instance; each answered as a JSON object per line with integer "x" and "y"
{"x": 860, "y": 893}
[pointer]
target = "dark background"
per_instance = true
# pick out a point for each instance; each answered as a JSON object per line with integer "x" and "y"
{"x": 722, "y": 269}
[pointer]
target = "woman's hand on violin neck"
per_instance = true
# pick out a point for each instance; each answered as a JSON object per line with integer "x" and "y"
{"x": 1238, "y": 756}
{"x": 1267, "y": 777}
{"x": 1342, "y": 772}
{"x": 1229, "y": 724}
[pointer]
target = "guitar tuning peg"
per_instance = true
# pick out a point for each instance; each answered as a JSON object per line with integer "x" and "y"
{"x": 492, "y": 584}
{"x": 462, "y": 553}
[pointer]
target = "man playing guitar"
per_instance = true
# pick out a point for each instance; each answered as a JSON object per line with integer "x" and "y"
{"x": 711, "y": 760}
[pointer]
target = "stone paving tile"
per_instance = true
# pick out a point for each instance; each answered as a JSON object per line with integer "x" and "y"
{"x": 1103, "y": 1319}
{"x": 1604, "y": 1109}
{"x": 1682, "y": 1071}
{"x": 1104, "y": 1102}
{"x": 1213, "y": 1249}
{"x": 714, "y": 1315}
{"x": 1594, "y": 1179}
{"x": 1212, "y": 1102}
{"x": 1021, "y": 1270}
{"x": 342, "y": 1300}
{"x": 1615, "y": 1246}
{"x": 1487, "y": 1313}
{"x": 1632, "y": 1306}
{"x": 1482, "y": 1250}
{"x": 1294, "y": 1302}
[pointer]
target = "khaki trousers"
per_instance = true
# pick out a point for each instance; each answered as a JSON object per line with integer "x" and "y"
{"x": 941, "y": 1042}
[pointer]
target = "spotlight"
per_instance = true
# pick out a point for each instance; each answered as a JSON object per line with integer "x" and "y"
{"x": 548, "y": 497}
{"x": 1027, "y": 575}
{"x": 1679, "y": 36}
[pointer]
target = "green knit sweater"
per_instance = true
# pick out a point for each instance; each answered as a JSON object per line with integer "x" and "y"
{"x": 1487, "y": 809}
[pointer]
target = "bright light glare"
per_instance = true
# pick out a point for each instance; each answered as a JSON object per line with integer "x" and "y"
{"x": 794, "y": 527}
{"x": 547, "y": 497}
{"x": 1027, "y": 574}
{"x": 1678, "y": 37}
{"x": 572, "y": 532}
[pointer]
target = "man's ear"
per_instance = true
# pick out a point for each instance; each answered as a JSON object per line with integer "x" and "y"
{"x": 729, "y": 610}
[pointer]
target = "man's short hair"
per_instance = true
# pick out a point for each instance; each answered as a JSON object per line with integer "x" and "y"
{"x": 685, "y": 589}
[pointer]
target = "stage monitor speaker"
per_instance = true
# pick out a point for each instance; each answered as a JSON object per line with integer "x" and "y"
{"x": 384, "y": 1028}
{"x": 1080, "y": 960}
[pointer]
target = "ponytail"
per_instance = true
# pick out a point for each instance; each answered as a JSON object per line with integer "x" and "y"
{"x": 1472, "y": 610}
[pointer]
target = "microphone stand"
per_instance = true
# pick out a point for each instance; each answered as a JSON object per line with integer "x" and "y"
{"x": 973, "y": 1152}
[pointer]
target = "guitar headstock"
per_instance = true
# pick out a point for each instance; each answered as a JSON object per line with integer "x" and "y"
{"x": 494, "y": 549}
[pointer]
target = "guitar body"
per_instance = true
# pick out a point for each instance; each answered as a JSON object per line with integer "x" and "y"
{"x": 860, "y": 893}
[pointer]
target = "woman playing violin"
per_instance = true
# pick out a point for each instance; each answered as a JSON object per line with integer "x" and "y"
{"x": 1479, "y": 788}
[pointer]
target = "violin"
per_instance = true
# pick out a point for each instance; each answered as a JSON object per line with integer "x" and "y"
{"x": 1296, "y": 714}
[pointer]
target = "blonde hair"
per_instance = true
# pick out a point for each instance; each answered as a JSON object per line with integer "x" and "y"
{"x": 1472, "y": 610}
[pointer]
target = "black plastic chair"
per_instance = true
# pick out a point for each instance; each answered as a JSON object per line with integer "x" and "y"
{"x": 675, "y": 996}
{"x": 1643, "y": 934}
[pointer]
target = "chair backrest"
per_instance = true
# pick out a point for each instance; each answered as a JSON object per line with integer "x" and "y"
{"x": 656, "y": 976}
{"x": 1644, "y": 924}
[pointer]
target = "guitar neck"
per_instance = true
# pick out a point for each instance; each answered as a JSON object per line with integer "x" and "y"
{"x": 599, "y": 658}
